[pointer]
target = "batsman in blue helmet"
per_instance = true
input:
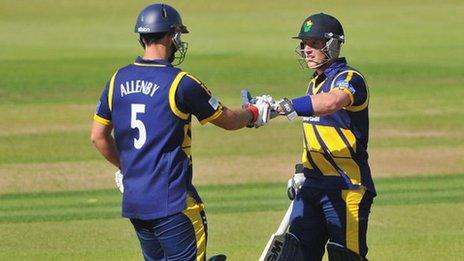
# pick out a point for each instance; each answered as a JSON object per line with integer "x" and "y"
{"x": 149, "y": 104}
{"x": 333, "y": 202}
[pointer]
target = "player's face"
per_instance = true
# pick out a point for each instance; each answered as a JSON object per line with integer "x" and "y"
{"x": 312, "y": 49}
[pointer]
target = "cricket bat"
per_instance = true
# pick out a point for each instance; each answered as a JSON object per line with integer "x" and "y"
{"x": 274, "y": 246}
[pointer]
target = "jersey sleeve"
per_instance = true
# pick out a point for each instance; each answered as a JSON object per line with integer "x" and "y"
{"x": 102, "y": 112}
{"x": 194, "y": 97}
{"x": 353, "y": 83}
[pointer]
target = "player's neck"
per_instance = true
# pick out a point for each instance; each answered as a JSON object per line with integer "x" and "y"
{"x": 156, "y": 52}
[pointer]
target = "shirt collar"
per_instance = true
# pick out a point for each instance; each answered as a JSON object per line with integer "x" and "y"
{"x": 160, "y": 62}
{"x": 339, "y": 62}
{"x": 334, "y": 66}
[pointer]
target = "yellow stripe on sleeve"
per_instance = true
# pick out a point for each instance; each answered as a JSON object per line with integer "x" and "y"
{"x": 352, "y": 200}
{"x": 359, "y": 107}
{"x": 101, "y": 120}
{"x": 212, "y": 117}
{"x": 348, "y": 78}
{"x": 345, "y": 90}
{"x": 172, "y": 97}
{"x": 110, "y": 92}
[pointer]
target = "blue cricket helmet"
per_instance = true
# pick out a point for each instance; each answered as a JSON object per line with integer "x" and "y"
{"x": 159, "y": 18}
{"x": 321, "y": 26}
{"x": 325, "y": 27}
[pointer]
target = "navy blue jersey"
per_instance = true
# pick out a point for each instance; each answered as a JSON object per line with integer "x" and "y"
{"x": 149, "y": 104}
{"x": 335, "y": 145}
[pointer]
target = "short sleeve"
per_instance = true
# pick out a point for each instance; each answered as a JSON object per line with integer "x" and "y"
{"x": 102, "y": 112}
{"x": 194, "y": 97}
{"x": 353, "y": 83}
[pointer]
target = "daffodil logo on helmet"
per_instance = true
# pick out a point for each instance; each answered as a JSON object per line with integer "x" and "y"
{"x": 307, "y": 26}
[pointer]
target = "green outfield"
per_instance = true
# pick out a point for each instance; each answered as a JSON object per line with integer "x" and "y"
{"x": 57, "y": 200}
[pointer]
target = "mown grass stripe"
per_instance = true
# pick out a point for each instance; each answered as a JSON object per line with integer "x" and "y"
{"x": 219, "y": 199}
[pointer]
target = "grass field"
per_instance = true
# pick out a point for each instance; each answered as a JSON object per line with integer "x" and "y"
{"x": 57, "y": 200}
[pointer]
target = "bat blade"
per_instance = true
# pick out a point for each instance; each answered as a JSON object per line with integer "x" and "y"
{"x": 274, "y": 248}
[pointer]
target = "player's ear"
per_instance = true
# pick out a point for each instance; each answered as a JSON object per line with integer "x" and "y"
{"x": 167, "y": 39}
{"x": 142, "y": 43}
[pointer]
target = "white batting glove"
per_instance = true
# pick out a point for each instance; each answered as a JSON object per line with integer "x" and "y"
{"x": 294, "y": 184}
{"x": 263, "y": 104}
{"x": 266, "y": 98}
{"x": 118, "y": 180}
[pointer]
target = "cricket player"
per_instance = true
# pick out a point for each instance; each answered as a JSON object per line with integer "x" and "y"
{"x": 334, "y": 201}
{"x": 149, "y": 105}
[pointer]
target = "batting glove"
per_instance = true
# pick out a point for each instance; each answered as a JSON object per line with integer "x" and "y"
{"x": 262, "y": 113}
{"x": 294, "y": 184}
{"x": 118, "y": 180}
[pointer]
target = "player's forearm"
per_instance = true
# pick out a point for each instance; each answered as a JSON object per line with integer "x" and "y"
{"x": 327, "y": 103}
{"x": 233, "y": 119}
{"x": 320, "y": 104}
{"x": 107, "y": 148}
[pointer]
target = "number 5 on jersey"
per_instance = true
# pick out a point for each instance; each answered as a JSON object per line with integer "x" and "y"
{"x": 138, "y": 124}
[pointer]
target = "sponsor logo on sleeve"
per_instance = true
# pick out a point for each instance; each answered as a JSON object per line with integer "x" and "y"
{"x": 345, "y": 85}
{"x": 213, "y": 102}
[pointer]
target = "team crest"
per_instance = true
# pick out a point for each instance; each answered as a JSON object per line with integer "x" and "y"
{"x": 307, "y": 26}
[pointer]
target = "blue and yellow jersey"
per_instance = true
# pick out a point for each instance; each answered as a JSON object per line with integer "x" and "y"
{"x": 335, "y": 146}
{"x": 149, "y": 104}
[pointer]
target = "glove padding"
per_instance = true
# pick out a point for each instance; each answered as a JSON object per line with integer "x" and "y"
{"x": 263, "y": 104}
{"x": 285, "y": 107}
{"x": 118, "y": 180}
{"x": 264, "y": 108}
{"x": 294, "y": 184}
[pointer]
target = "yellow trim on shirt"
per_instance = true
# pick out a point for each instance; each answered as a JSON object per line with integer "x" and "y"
{"x": 318, "y": 87}
{"x": 359, "y": 107}
{"x": 345, "y": 90}
{"x": 110, "y": 91}
{"x": 200, "y": 83}
{"x": 101, "y": 120}
{"x": 187, "y": 142}
{"x": 333, "y": 141}
{"x": 348, "y": 78}
{"x": 316, "y": 152}
{"x": 339, "y": 151}
{"x": 349, "y": 135}
{"x": 212, "y": 117}
{"x": 172, "y": 97}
